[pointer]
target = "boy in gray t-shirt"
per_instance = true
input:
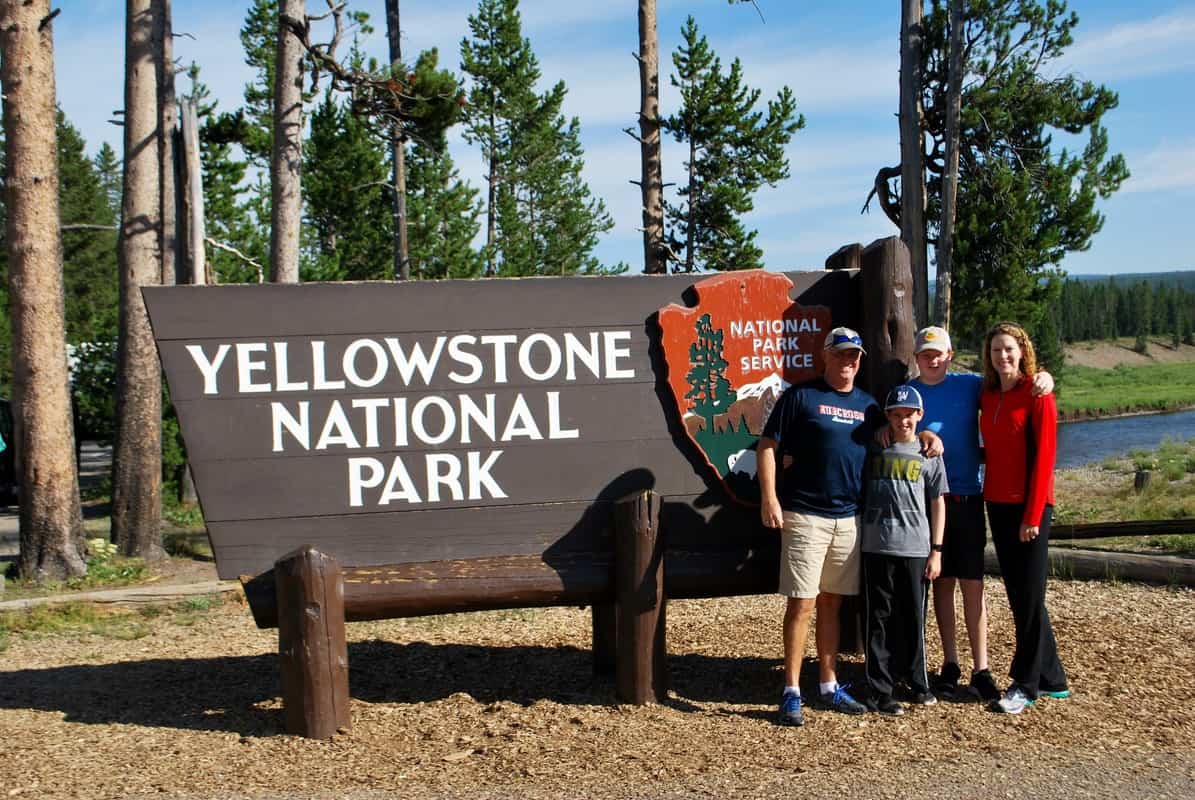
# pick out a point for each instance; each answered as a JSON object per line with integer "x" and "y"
{"x": 902, "y": 553}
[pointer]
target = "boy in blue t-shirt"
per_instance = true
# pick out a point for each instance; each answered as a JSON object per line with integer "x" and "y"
{"x": 901, "y": 541}
{"x": 951, "y": 410}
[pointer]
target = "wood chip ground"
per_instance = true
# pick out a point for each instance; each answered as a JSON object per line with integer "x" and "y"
{"x": 504, "y": 704}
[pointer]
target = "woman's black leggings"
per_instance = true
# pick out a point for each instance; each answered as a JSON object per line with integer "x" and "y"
{"x": 1023, "y": 566}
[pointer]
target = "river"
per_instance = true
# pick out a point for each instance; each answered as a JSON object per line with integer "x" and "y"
{"x": 1092, "y": 441}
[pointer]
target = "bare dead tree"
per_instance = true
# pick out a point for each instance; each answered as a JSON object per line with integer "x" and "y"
{"x": 163, "y": 41}
{"x": 912, "y": 149}
{"x": 402, "y": 250}
{"x": 137, "y": 453}
{"x": 287, "y": 156}
{"x": 651, "y": 181}
{"x": 51, "y": 522}
{"x": 954, "y": 94}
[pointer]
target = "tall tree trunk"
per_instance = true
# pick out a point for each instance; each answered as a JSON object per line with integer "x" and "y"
{"x": 954, "y": 99}
{"x": 167, "y": 122}
{"x": 193, "y": 231}
{"x": 137, "y": 455}
{"x": 287, "y": 156}
{"x": 51, "y": 522}
{"x": 652, "y": 178}
{"x": 491, "y": 228}
{"x": 912, "y": 158}
{"x": 398, "y": 156}
{"x": 690, "y": 227}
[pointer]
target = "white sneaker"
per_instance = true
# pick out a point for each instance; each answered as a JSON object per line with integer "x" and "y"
{"x": 1014, "y": 701}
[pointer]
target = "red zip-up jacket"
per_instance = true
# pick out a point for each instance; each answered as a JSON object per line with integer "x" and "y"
{"x": 1007, "y": 421}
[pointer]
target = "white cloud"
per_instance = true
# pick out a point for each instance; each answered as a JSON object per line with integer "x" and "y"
{"x": 828, "y": 78}
{"x": 1154, "y": 46}
{"x": 1168, "y": 166}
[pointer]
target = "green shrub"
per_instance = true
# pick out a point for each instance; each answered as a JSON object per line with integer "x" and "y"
{"x": 1174, "y": 470}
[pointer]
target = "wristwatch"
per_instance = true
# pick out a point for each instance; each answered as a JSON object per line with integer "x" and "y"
{"x": 937, "y": 548}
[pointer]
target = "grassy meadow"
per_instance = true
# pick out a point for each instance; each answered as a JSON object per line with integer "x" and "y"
{"x": 1091, "y": 391}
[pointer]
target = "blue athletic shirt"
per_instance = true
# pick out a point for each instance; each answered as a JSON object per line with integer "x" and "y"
{"x": 826, "y": 432}
{"x": 952, "y": 412}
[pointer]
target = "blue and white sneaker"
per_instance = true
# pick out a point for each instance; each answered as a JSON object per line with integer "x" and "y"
{"x": 1060, "y": 694}
{"x": 841, "y": 701}
{"x": 1014, "y": 701}
{"x": 790, "y": 710}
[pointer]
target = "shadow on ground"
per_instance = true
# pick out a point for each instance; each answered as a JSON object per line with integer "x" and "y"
{"x": 239, "y": 694}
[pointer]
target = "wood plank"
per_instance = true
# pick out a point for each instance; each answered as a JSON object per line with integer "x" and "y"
{"x": 330, "y": 309}
{"x": 290, "y": 362}
{"x": 691, "y": 523}
{"x": 240, "y": 428}
{"x": 1103, "y": 530}
{"x": 544, "y": 473}
{"x": 409, "y": 590}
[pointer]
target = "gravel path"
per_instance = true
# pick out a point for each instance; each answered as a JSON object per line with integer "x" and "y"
{"x": 503, "y": 704}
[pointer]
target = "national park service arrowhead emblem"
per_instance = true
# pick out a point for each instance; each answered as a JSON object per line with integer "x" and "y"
{"x": 729, "y": 360}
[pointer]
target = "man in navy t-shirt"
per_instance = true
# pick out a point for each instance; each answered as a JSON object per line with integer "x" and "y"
{"x": 824, "y": 425}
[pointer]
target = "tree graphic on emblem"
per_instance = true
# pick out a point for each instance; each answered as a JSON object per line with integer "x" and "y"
{"x": 709, "y": 390}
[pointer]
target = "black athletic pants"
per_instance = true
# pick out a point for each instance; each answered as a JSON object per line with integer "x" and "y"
{"x": 895, "y": 591}
{"x": 1023, "y": 567}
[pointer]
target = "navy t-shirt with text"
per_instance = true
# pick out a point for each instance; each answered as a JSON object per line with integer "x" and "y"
{"x": 826, "y": 432}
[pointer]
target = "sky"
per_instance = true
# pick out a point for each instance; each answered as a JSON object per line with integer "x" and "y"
{"x": 842, "y": 66}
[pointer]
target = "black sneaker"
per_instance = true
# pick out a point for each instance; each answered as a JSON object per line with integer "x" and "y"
{"x": 946, "y": 683}
{"x": 983, "y": 685}
{"x": 840, "y": 700}
{"x": 887, "y": 706}
{"x": 790, "y": 710}
{"x": 923, "y": 698}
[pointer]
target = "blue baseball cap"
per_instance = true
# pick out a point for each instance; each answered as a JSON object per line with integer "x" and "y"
{"x": 904, "y": 396}
{"x": 844, "y": 339}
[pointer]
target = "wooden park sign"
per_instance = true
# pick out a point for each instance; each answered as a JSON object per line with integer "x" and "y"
{"x": 460, "y": 445}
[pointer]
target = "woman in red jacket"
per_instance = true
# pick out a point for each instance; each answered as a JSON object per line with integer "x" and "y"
{"x": 1019, "y": 442}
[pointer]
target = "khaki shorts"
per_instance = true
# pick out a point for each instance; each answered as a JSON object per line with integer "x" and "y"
{"x": 818, "y": 554}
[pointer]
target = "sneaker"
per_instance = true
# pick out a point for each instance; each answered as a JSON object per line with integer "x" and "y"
{"x": 946, "y": 683}
{"x": 1061, "y": 694}
{"x": 887, "y": 706}
{"x": 984, "y": 686}
{"x": 839, "y": 700}
{"x": 790, "y": 710}
{"x": 1014, "y": 701}
{"x": 923, "y": 698}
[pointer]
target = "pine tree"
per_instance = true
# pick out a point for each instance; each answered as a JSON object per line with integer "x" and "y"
{"x": 345, "y": 181}
{"x": 442, "y": 217}
{"x": 540, "y": 215}
{"x": 503, "y": 72}
{"x": 107, "y": 167}
{"x": 259, "y": 39}
{"x": 734, "y": 149}
{"x": 89, "y": 256}
{"x": 1023, "y": 203}
{"x": 549, "y": 221}
{"x": 709, "y": 388}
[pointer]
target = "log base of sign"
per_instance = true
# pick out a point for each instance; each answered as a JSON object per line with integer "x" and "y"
{"x": 640, "y": 670}
{"x": 309, "y": 588}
